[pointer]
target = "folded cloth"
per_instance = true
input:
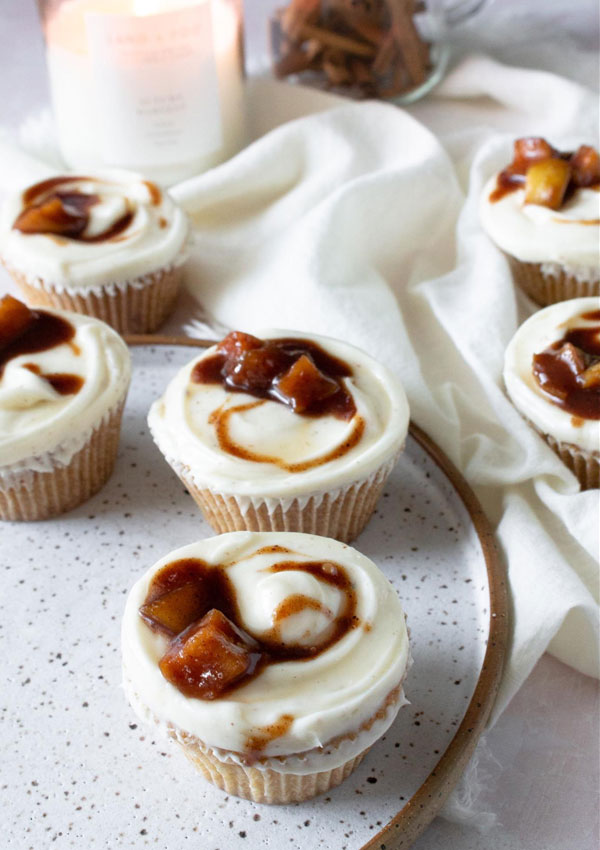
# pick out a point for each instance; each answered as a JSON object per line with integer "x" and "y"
{"x": 357, "y": 222}
{"x": 354, "y": 222}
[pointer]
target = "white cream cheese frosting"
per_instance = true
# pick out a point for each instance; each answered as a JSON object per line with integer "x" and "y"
{"x": 534, "y": 336}
{"x": 334, "y": 693}
{"x": 532, "y": 233}
{"x": 155, "y": 236}
{"x": 182, "y": 424}
{"x": 37, "y": 421}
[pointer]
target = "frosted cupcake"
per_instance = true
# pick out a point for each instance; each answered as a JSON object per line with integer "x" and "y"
{"x": 543, "y": 211}
{"x": 111, "y": 246}
{"x": 285, "y": 433}
{"x": 274, "y": 660}
{"x": 63, "y": 382}
{"x": 552, "y": 375}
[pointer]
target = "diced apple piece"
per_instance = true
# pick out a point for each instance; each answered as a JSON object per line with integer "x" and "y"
{"x": 529, "y": 150}
{"x": 256, "y": 369}
{"x": 550, "y": 379}
{"x": 558, "y": 369}
{"x": 50, "y": 217}
{"x": 585, "y": 164}
{"x": 573, "y": 357}
{"x": 175, "y": 610}
{"x": 590, "y": 377}
{"x": 15, "y": 318}
{"x": 209, "y": 657}
{"x": 546, "y": 183}
{"x": 237, "y": 342}
{"x": 303, "y": 385}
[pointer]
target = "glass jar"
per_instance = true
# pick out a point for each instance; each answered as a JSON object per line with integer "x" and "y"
{"x": 150, "y": 85}
{"x": 392, "y": 49}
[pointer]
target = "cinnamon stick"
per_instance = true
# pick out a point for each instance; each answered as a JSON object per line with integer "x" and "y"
{"x": 374, "y": 46}
{"x": 337, "y": 41}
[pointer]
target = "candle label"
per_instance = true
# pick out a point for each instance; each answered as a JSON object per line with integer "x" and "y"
{"x": 155, "y": 83}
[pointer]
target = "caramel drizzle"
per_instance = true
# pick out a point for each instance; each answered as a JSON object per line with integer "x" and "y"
{"x": 276, "y": 357}
{"x": 295, "y": 604}
{"x": 272, "y": 550}
{"x": 332, "y": 574}
{"x": 155, "y": 193}
{"x": 220, "y": 419}
{"x": 65, "y": 214}
{"x": 44, "y": 331}
{"x": 265, "y": 734}
{"x": 63, "y": 383}
{"x": 592, "y": 221}
{"x": 557, "y": 378}
{"x": 183, "y": 593}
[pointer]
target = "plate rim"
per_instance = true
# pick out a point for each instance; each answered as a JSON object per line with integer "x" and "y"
{"x": 416, "y": 815}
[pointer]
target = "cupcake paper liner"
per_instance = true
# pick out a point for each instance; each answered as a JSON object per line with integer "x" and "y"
{"x": 33, "y": 495}
{"x": 277, "y": 780}
{"x": 549, "y": 283}
{"x": 585, "y": 465}
{"x": 267, "y": 786}
{"x": 138, "y": 306}
{"x": 341, "y": 514}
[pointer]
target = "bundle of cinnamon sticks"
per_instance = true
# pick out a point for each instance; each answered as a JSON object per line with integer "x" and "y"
{"x": 372, "y": 47}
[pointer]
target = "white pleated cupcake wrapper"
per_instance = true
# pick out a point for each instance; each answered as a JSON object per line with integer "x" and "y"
{"x": 341, "y": 512}
{"x": 549, "y": 283}
{"x": 585, "y": 465}
{"x": 246, "y": 503}
{"x": 53, "y": 484}
{"x": 133, "y": 309}
{"x": 60, "y": 456}
{"x": 109, "y": 288}
{"x": 312, "y": 761}
{"x": 582, "y": 274}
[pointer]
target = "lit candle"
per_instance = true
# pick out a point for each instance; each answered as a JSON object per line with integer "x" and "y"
{"x": 152, "y": 85}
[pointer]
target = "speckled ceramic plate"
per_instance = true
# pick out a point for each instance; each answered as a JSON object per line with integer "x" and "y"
{"x": 80, "y": 771}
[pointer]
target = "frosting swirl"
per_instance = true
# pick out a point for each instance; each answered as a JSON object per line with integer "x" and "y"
{"x": 57, "y": 381}
{"x": 311, "y": 696}
{"x": 536, "y": 234}
{"x": 84, "y": 231}
{"x": 235, "y": 443}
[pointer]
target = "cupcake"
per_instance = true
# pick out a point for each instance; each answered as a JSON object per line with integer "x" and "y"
{"x": 63, "y": 382}
{"x": 543, "y": 211}
{"x": 552, "y": 375}
{"x": 111, "y": 246}
{"x": 285, "y": 433}
{"x": 275, "y": 660}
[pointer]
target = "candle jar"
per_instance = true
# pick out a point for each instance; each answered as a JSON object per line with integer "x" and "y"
{"x": 392, "y": 49}
{"x": 150, "y": 85}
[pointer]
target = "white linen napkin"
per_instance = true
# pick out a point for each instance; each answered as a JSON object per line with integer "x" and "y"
{"x": 354, "y": 222}
{"x": 358, "y": 223}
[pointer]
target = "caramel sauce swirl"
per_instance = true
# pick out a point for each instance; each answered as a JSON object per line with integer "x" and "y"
{"x": 209, "y": 654}
{"x": 25, "y": 331}
{"x": 64, "y": 383}
{"x": 568, "y": 371}
{"x": 259, "y": 739}
{"x": 56, "y": 207}
{"x": 220, "y": 419}
{"x": 295, "y": 372}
